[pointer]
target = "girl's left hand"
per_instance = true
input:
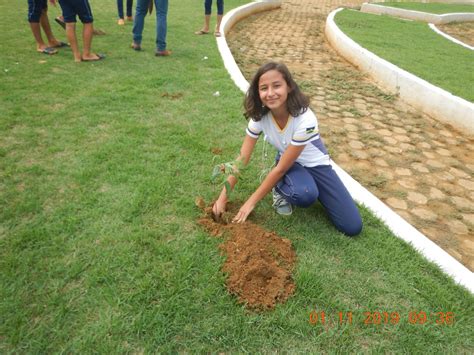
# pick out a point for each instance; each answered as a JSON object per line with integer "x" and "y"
{"x": 243, "y": 213}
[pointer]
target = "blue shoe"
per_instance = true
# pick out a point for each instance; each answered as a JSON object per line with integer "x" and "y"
{"x": 282, "y": 206}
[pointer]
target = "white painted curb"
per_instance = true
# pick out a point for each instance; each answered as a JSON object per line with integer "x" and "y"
{"x": 407, "y": 232}
{"x": 452, "y": 39}
{"x": 416, "y": 15}
{"x": 397, "y": 225}
{"x": 426, "y": 97}
{"x": 229, "y": 20}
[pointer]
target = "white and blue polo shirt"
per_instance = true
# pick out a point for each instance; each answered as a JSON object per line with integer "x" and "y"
{"x": 299, "y": 130}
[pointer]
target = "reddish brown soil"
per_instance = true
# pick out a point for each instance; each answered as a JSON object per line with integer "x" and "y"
{"x": 258, "y": 263}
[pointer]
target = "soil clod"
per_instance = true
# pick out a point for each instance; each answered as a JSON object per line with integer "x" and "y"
{"x": 258, "y": 263}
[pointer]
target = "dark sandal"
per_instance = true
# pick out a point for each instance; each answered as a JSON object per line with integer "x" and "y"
{"x": 99, "y": 57}
{"x": 60, "y": 22}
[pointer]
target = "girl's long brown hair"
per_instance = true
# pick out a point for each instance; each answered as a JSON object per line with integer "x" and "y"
{"x": 297, "y": 102}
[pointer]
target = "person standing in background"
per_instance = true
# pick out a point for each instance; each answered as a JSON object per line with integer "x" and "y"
{"x": 161, "y": 25}
{"x": 207, "y": 17}
{"x": 81, "y": 8}
{"x": 38, "y": 18}
{"x": 121, "y": 20}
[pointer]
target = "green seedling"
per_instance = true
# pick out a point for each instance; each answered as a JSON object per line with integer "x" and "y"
{"x": 222, "y": 171}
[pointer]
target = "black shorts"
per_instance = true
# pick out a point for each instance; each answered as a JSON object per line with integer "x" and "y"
{"x": 73, "y": 8}
{"x": 35, "y": 8}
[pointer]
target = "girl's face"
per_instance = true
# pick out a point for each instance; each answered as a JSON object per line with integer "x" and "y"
{"x": 273, "y": 90}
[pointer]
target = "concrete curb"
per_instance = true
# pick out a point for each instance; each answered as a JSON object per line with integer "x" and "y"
{"x": 448, "y": 37}
{"x": 426, "y": 97}
{"x": 229, "y": 20}
{"x": 397, "y": 225}
{"x": 417, "y": 15}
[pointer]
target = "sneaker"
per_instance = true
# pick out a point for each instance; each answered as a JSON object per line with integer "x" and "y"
{"x": 121, "y": 22}
{"x": 282, "y": 206}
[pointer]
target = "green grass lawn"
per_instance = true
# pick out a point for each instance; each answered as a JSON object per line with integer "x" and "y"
{"x": 100, "y": 251}
{"x": 432, "y": 8}
{"x": 414, "y": 47}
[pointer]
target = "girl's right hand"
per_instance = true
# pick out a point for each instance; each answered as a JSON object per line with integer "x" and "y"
{"x": 218, "y": 208}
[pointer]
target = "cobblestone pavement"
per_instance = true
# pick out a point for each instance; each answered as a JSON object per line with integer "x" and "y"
{"x": 462, "y": 31}
{"x": 421, "y": 168}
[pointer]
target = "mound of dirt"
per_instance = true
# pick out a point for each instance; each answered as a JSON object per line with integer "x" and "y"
{"x": 258, "y": 263}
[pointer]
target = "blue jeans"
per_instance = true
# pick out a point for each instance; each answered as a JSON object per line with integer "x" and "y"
{"x": 120, "y": 8}
{"x": 161, "y": 9}
{"x": 302, "y": 186}
{"x": 208, "y": 7}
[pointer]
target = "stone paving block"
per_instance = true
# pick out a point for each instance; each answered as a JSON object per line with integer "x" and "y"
{"x": 463, "y": 203}
{"x": 435, "y": 164}
{"x": 397, "y": 203}
{"x": 458, "y": 227}
{"x": 403, "y": 171}
{"x": 467, "y": 184}
{"x": 436, "y": 194}
{"x": 417, "y": 198}
{"x": 424, "y": 214}
{"x": 458, "y": 173}
{"x": 408, "y": 184}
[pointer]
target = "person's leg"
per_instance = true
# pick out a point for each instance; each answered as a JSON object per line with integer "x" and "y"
{"x": 69, "y": 18}
{"x": 217, "y": 31}
{"x": 120, "y": 20}
{"x": 44, "y": 21}
{"x": 71, "y": 37}
{"x": 84, "y": 12}
{"x": 207, "y": 7}
{"x": 220, "y": 13}
{"x": 139, "y": 21}
{"x": 120, "y": 9}
{"x": 207, "y": 14}
{"x": 207, "y": 18}
{"x": 87, "y": 33}
{"x": 298, "y": 187}
{"x": 337, "y": 201}
{"x": 161, "y": 24}
{"x": 129, "y": 10}
{"x": 220, "y": 7}
{"x": 35, "y": 10}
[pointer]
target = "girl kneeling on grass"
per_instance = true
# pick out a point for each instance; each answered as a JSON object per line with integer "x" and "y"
{"x": 275, "y": 106}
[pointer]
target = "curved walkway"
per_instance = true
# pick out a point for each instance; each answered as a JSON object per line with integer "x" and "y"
{"x": 421, "y": 168}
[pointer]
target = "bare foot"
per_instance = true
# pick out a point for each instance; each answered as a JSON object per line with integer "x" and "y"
{"x": 46, "y": 50}
{"x": 93, "y": 57}
{"x": 202, "y": 32}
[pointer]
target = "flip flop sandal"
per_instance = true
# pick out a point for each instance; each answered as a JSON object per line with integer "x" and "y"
{"x": 217, "y": 34}
{"x": 201, "y": 32}
{"x": 61, "y": 45}
{"x": 99, "y": 57}
{"x": 60, "y": 22}
{"x": 48, "y": 51}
